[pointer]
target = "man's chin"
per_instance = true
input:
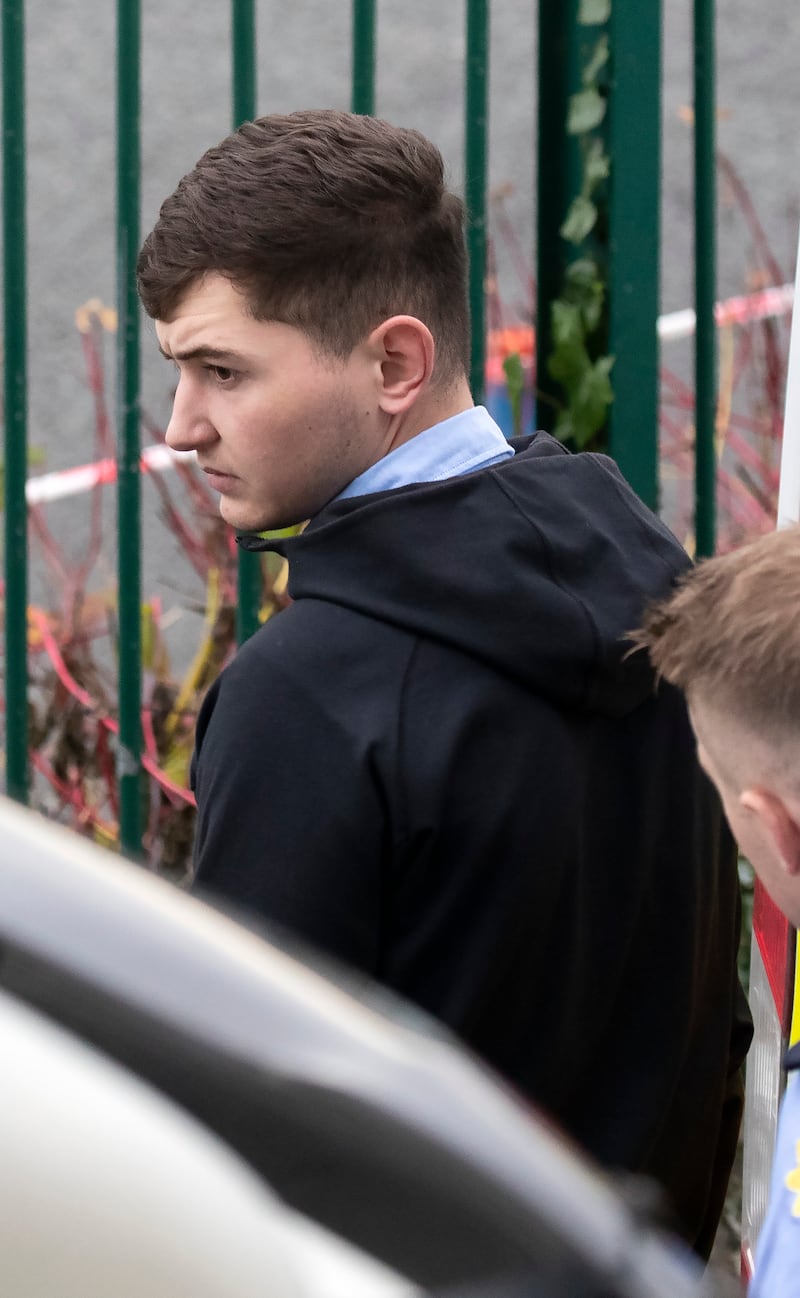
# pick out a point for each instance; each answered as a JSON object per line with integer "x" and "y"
{"x": 244, "y": 520}
{"x": 241, "y": 520}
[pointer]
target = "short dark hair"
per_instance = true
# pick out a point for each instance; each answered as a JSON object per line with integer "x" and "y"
{"x": 730, "y": 635}
{"x": 327, "y": 221}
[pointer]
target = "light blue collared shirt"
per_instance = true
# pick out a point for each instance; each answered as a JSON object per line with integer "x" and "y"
{"x": 469, "y": 440}
{"x": 778, "y": 1248}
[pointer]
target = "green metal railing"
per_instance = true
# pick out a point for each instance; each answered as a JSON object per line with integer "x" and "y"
{"x": 476, "y": 123}
{"x": 15, "y": 332}
{"x": 558, "y": 170}
{"x": 632, "y": 137}
{"x": 362, "y": 99}
{"x": 705, "y": 260}
{"x": 128, "y": 419}
{"x": 633, "y": 132}
{"x": 244, "y": 79}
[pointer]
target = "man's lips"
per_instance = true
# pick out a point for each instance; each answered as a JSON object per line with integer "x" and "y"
{"x": 218, "y": 479}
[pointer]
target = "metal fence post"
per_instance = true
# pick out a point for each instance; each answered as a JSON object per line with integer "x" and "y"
{"x": 634, "y": 145}
{"x": 128, "y": 365}
{"x": 705, "y": 278}
{"x": 15, "y": 333}
{"x": 362, "y": 99}
{"x": 557, "y": 178}
{"x": 476, "y": 124}
{"x": 243, "y": 52}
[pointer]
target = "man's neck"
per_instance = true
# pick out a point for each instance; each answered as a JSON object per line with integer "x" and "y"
{"x": 432, "y": 408}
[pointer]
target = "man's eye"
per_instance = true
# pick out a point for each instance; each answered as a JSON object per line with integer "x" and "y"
{"x": 221, "y": 373}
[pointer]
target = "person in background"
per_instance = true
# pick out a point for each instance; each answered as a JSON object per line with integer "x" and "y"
{"x": 437, "y": 764}
{"x": 730, "y": 638}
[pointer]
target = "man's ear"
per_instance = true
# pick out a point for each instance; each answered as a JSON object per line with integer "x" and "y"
{"x": 406, "y": 351}
{"x": 780, "y": 823}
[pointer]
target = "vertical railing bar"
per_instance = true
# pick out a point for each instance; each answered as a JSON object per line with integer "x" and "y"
{"x": 15, "y": 332}
{"x": 243, "y": 51}
{"x": 476, "y": 114}
{"x": 128, "y": 434}
{"x": 362, "y": 98}
{"x": 705, "y": 277}
{"x": 243, "y": 106}
{"x": 558, "y": 179}
{"x": 633, "y": 125}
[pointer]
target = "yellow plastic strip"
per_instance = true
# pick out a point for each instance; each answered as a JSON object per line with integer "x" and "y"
{"x": 794, "y": 1030}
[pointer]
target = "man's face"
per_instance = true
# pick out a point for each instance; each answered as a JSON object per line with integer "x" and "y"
{"x": 724, "y": 752}
{"x": 278, "y": 428}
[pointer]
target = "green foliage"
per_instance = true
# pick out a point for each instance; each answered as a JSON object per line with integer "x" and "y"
{"x": 515, "y": 386}
{"x": 594, "y": 67}
{"x": 586, "y": 111}
{"x": 596, "y": 165}
{"x": 593, "y": 12}
{"x": 580, "y": 220}
{"x": 578, "y": 317}
{"x": 575, "y": 317}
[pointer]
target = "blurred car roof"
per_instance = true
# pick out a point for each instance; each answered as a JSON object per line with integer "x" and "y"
{"x": 357, "y": 1111}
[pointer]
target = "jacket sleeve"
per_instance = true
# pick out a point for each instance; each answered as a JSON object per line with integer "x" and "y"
{"x": 290, "y": 821}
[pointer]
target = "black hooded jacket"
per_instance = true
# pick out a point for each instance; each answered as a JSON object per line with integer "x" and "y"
{"x": 440, "y": 765}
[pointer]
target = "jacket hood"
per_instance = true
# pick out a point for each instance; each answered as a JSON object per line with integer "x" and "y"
{"x": 539, "y": 566}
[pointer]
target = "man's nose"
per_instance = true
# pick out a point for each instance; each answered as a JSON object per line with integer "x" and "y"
{"x": 189, "y": 427}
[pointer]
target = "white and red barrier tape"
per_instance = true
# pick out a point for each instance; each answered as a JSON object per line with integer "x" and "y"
{"x": 71, "y": 482}
{"x": 761, "y": 305}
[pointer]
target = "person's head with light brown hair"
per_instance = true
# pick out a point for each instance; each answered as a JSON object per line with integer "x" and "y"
{"x": 308, "y": 279}
{"x": 729, "y": 637}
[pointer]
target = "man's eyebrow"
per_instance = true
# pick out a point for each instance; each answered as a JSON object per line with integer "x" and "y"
{"x": 214, "y": 354}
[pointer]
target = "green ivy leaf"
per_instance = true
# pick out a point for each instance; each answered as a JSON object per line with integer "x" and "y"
{"x": 515, "y": 376}
{"x": 593, "y": 309}
{"x": 597, "y": 165}
{"x": 592, "y": 398}
{"x": 582, "y": 277}
{"x": 565, "y": 323}
{"x": 586, "y": 111}
{"x": 592, "y": 12}
{"x": 598, "y": 60}
{"x": 569, "y": 360}
{"x": 563, "y": 430}
{"x": 584, "y": 287}
{"x": 515, "y": 386}
{"x": 577, "y": 316}
{"x": 580, "y": 219}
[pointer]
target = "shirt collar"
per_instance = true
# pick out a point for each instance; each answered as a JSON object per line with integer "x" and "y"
{"x": 464, "y": 442}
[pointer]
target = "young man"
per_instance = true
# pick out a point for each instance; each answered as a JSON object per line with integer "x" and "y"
{"x": 731, "y": 639}
{"x": 438, "y": 764}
